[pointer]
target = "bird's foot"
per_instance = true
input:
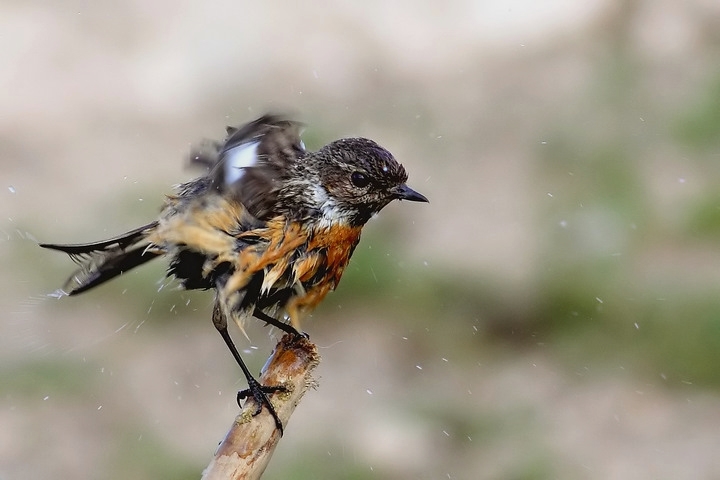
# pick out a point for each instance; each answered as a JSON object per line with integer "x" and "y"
{"x": 260, "y": 394}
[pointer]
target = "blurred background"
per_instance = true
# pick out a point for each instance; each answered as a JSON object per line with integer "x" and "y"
{"x": 553, "y": 313}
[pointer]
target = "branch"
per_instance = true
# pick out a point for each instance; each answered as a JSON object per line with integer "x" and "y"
{"x": 251, "y": 441}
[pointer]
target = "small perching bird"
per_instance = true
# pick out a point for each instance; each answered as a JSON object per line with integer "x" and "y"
{"x": 270, "y": 228}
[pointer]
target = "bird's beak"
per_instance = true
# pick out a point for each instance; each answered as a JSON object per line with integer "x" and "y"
{"x": 403, "y": 192}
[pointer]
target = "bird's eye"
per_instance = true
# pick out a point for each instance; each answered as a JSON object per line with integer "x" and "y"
{"x": 359, "y": 179}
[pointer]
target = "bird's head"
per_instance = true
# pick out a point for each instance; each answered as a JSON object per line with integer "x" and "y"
{"x": 357, "y": 178}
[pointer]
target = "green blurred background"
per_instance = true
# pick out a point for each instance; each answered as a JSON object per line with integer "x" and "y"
{"x": 551, "y": 314}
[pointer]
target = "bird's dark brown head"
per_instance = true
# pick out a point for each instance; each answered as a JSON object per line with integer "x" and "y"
{"x": 357, "y": 178}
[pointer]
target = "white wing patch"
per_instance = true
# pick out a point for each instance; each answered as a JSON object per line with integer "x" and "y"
{"x": 237, "y": 159}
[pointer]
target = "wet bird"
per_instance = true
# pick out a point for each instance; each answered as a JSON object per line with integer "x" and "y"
{"x": 270, "y": 227}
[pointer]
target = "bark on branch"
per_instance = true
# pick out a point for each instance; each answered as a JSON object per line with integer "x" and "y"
{"x": 251, "y": 441}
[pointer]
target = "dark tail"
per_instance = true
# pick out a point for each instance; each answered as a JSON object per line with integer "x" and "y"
{"x": 105, "y": 260}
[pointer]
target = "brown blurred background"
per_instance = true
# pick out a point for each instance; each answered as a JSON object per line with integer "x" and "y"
{"x": 553, "y": 313}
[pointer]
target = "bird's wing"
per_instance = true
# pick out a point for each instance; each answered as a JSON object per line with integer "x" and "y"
{"x": 252, "y": 161}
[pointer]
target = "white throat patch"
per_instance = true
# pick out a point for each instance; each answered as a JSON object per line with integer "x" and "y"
{"x": 331, "y": 213}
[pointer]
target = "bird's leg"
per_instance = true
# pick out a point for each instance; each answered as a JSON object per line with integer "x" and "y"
{"x": 257, "y": 313}
{"x": 255, "y": 389}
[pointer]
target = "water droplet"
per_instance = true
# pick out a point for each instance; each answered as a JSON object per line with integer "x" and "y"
{"x": 11, "y": 189}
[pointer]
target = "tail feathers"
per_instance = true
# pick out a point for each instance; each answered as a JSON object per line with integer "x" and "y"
{"x": 105, "y": 260}
{"x": 120, "y": 242}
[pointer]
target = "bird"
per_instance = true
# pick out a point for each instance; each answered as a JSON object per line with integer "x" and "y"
{"x": 270, "y": 227}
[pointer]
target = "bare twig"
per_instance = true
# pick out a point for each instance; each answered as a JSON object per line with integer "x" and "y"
{"x": 251, "y": 441}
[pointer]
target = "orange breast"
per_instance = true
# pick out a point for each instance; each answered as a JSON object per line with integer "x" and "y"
{"x": 290, "y": 254}
{"x": 337, "y": 243}
{"x": 328, "y": 253}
